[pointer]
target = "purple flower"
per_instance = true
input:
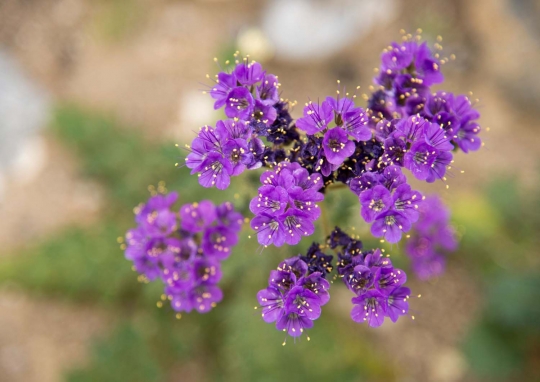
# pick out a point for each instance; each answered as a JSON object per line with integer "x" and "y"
{"x": 387, "y": 279}
{"x": 197, "y": 216}
{"x": 398, "y": 57}
{"x": 316, "y": 117}
{"x": 304, "y": 302}
{"x": 248, "y": 74}
{"x": 369, "y": 307}
{"x": 256, "y": 148}
{"x": 271, "y": 301}
{"x": 294, "y": 324}
{"x": 206, "y": 271}
{"x": 265, "y": 114}
{"x": 270, "y": 229}
{"x": 296, "y": 224}
{"x": 204, "y": 297}
{"x": 420, "y": 159}
{"x": 350, "y": 118}
{"x": 411, "y": 128}
{"x": 271, "y": 200}
{"x": 390, "y": 225}
{"x": 337, "y": 146}
{"x": 394, "y": 151}
{"x": 467, "y": 137}
{"x": 239, "y": 104}
{"x": 238, "y": 155}
{"x": 232, "y": 129}
{"x": 316, "y": 283}
{"x": 384, "y": 129}
{"x": 427, "y": 67}
{"x": 155, "y": 216}
{"x": 208, "y": 141}
{"x": 433, "y": 235}
{"x": 286, "y": 207}
{"x": 178, "y": 278}
{"x": 229, "y": 218}
{"x": 283, "y": 280}
{"x": 217, "y": 242}
{"x": 407, "y": 201}
{"x": 267, "y": 92}
{"x": 305, "y": 201}
{"x": 181, "y": 301}
{"x": 397, "y": 303}
{"x": 439, "y": 166}
{"x": 437, "y": 138}
{"x": 225, "y": 82}
{"x": 294, "y": 265}
{"x": 392, "y": 177}
{"x": 375, "y": 201}
{"x": 364, "y": 182}
{"x": 360, "y": 279}
{"x": 215, "y": 171}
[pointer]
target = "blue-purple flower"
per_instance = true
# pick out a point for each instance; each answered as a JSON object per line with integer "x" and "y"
{"x": 184, "y": 249}
{"x": 294, "y": 296}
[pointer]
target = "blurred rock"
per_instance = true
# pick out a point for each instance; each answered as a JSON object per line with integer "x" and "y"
{"x": 304, "y": 29}
{"x": 24, "y": 110}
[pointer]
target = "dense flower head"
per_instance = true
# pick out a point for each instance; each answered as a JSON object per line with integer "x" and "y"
{"x": 433, "y": 236}
{"x": 286, "y": 205}
{"x": 378, "y": 286}
{"x": 387, "y": 202}
{"x": 406, "y": 127}
{"x": 407, "y": 71}
{"x": 296, "y": 292}
{"x": 183, "y": 248}
{"x": 348, "y": 120}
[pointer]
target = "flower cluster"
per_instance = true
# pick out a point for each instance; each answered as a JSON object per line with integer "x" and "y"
{"x": 433, "y": 235}
{"x": 296, "y": 292}
{"x": 334, "y": 144}
{"x": 407, "y": 71}
{"x": 183, "y": 249}
{"x": 285, "y": 207}
{"x": 378, "y": 286}
{"x": 388, "y": 202}
{"x": 404, "y": 125}
{"x": 250, "y": 98}
{"x": 221, "y": 152}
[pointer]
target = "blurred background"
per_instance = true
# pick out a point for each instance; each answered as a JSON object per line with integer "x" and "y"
{"x": 95, "y": 93}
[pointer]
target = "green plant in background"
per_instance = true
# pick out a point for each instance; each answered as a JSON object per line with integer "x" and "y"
{"x": 502, "y": 243}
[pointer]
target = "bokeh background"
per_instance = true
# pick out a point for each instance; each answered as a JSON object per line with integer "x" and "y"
{"x": 95, "y": 93}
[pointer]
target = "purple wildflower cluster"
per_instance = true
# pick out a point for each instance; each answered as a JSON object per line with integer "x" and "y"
{"x": 388, "y": 202}
{"x": 250, "y": 98}
{"x": 433, "y": 235}
{"x": 296, "y": 292}
{"x": 404, "y": 125}
{"x": 378, "y": 286}
{"x": 183, "y": 249}
{"x": 298, "y": 288}
{"x": 285, "y": 207}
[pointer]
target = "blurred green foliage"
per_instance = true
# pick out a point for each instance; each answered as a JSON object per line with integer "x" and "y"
{"x": 500, "y": 246}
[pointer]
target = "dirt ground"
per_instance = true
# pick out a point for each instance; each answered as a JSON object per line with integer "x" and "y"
{"x": 148, "y": 75}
